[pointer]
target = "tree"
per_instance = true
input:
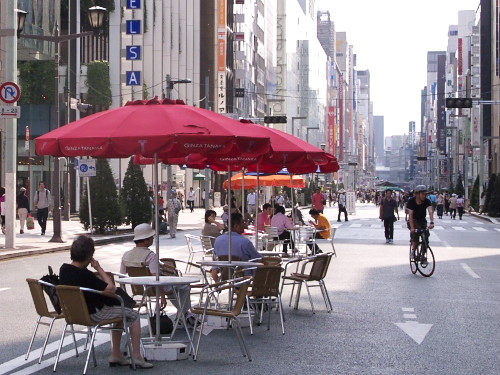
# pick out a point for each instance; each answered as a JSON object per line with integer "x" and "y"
{"x": 459, "y": 187}
{"x": 474, "y": 197}
{"x": 494, "y": 202}
{"x": 135, "y": 196}
{"x": 106, "y": 213}
{"x": 489, "y": 192}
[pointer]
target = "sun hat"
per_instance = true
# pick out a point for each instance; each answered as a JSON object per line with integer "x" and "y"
{"x": 23, "y": 189}
{"x": 420, "y": 189}
{"x": 143, "y": 231}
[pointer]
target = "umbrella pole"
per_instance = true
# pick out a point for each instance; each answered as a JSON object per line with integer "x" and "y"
{"x": 229, "y": 251}
{"x": 243, "y": 201}
{"x": 291, "y": 191}
{"x": 157, "y": 244}
{"x": 257, "y": 202}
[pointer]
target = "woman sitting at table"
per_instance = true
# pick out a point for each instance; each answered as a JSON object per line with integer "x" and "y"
{"x": 283, "y": 222}
{"x": 264, "y": 218}
{"x": 101, "y": 307}
{"x": 323, "y": 228}
{"x": 212, "y": 228}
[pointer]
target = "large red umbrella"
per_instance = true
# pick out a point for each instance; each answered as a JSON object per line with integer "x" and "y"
{"x": 157, "y": 127}
{"x": 293, "y": 153}
{"x": 272, "y": 180}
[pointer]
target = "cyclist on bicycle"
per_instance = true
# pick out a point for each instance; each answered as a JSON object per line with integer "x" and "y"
{"x": 416, "y": 209}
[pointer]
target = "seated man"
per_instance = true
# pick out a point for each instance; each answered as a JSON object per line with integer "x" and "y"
{"x": 140, "y": 256}
{"x": 101, "y": 307}
{"x": 323, "y": 228}
{"x": 241, "y": 246}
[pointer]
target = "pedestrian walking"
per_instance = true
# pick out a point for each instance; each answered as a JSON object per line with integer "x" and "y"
{"x": 2, "y": 207}
{"x": 388, "y": 212}
{"x": 482, "y": 200}
{"x": 43, "y": 204}
{"x": 460, "y": 206}
{"x": 173, "y": 209}
{"x": 342, "y": 202}
{"x": 318, "y": 201}
{"x": 251, "y": 201}
{"x": 453, "y": 206}
{"x": 440, "y": 206}
{"x": 190, "y": 198}
{"x": 446, "y": 204}
{"x": 23, "y": 208}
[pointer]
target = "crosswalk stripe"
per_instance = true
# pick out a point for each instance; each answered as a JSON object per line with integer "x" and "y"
{"x": 355, "y": 225}
{"x": 459, "y": 228}
{"x": 479, "y": 229}
{"x": 438, "y": 227}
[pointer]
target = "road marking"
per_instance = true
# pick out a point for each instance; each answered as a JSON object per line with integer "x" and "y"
{"x": 498, "y": 230}
{"x": 375, "y": 226}
{"x": 459, "y": 228}
{"x": 447, "y": 245}
{"x": 355, "y": 225}
{"x": 417, "y": 331}
{"x": 470, "y": 271}
{"x": 438, "y": 227}
{"x": 2, "y": 289}
{"x": 479, "y": 229}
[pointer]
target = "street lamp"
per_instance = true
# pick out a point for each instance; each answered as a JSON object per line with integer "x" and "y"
{"x": 170, "y": 86}
{"x": 96, "y": 19}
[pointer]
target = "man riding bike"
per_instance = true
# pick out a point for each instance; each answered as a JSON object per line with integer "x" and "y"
{"x": 416, "y": 209}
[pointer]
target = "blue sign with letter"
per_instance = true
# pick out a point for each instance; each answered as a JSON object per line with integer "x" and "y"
{"x": 133, "y": 27}
{"x": 133, "y": 78}
{"x": 133, "y": 52}
{"x": 133, "y": 4}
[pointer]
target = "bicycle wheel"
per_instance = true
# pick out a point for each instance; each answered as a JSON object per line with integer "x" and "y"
{"x": 426, "y": 264}
{"x": 413, "y": 264}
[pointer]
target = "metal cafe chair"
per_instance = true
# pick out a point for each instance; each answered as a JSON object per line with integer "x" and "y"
{"x": 313, "y": 271}
{"x": 43, "y": 311}
{"x": 330, "y": 240}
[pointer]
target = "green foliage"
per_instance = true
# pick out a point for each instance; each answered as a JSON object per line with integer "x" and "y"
{"x": 135, "y": 196}
{"x": 494, "y": 206}
{"x": 459, "y": 187}
{"x": 37, "y": 81}
{"x": 474, "y": 197}
{"x": 98, "y": 83}
{"x": 145, "y": 91}
{"x": 489, "y": 192}
{"x": 106, "y": 213}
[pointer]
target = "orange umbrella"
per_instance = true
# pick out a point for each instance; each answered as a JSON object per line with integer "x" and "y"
{"x": 273, "y": 180}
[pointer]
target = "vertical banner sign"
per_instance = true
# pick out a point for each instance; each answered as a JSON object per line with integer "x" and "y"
{"x": 460, "y": 63}
{"x": 331, "y": 130}
{"x": 133, "y": 52}
{"x": 341, "y": 117}
{"x": 441, "y": 111}
{"x": 221, "y": 56}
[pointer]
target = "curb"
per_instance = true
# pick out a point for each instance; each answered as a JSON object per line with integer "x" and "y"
{"x": 485, "y": 218}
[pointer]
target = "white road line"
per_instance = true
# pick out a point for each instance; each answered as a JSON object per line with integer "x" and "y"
{"x": 375, "y": 226}
{"x": 410, "y": 316}
{"x": 408, "y": 309}
{"x": 498, "y": 230}
{"x": 447, "y": 245}
{"x": 356, "y": 226}
{"x": 438, "y": 227}
{"x": 479, "y": 229}
{"x": 470, "y": 271}
{"x": 2, "y": 289}
{"x": 459, "y": 228}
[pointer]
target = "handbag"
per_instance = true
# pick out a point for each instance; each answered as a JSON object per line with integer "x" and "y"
{"x": 30, "y": 222}
{"x": 323, "y": 201}
{"x": 53, "y": 279}
{"x": 166, "y": 324}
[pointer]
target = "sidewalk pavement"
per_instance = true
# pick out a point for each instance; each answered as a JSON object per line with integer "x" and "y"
{"x": 32, "y": 242}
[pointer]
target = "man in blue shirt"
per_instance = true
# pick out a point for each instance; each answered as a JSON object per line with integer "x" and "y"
{"x": 241, "y": 246}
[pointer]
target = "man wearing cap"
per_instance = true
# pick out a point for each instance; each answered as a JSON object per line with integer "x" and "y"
{"x": 417, "y": 207}
{"x": 141, "y": 256}
{"x": 388, "y": 209}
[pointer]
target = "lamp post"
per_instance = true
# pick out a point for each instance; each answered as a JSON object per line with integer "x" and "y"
{"x": 170, "y": 86}
{"x": 96, "y": 18}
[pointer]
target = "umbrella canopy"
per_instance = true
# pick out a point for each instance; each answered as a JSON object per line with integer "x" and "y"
{"x": 170, "y": 129}
{"x": 272, "y": 180}
{"x": 297, "y": 155}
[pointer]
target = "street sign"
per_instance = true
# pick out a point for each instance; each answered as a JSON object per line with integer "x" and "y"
{"x": 86, "y": 168}
{"x": 10, "y": 111}
{"x": 9, "y": 92}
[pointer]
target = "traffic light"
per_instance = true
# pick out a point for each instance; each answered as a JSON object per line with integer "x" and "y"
{"x": 458, "y": 102}
{"x": 275, "y": 119}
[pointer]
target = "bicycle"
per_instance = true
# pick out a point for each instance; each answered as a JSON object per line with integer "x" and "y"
{"x": 423, "y": 260}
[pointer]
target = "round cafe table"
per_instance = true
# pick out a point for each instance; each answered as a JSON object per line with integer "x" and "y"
{"x": 164, "y": 281}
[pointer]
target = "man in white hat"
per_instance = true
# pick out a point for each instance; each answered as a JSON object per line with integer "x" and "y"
{"x": 141, "y": 256}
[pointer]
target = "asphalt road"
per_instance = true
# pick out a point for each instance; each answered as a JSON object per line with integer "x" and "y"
{"x": 385, "y": 320}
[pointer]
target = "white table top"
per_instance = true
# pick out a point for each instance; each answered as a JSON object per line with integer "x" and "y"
{"x": 225, "y": 263}
{"x": 164, "y": 280}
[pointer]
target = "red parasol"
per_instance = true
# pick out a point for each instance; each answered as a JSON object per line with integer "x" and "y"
{"x": 157, "y": 127}
{"x": 272, "y": 180}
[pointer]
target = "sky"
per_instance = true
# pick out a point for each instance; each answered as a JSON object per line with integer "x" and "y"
{"x": 391, "y": 39}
